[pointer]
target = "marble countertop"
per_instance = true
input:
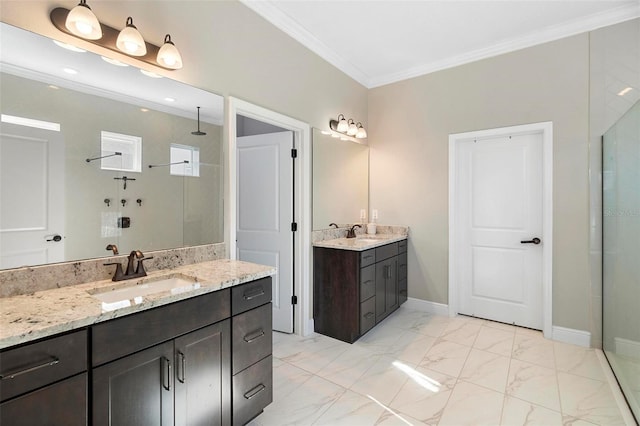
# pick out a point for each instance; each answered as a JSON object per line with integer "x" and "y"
{"x": 41, "y": 314}
{"x": 361, "y": 242}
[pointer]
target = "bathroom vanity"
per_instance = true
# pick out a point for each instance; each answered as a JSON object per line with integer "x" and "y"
{"x": 357, "y": 283}
{"x": 182, "y": 357}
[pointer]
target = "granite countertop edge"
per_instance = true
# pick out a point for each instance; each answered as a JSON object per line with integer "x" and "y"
{"x": 30, "y": 317}
{"x": 357, "y": 244}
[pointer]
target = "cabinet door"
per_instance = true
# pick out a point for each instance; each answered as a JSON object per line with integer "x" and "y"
{"x": 203, "y": 376}
{"x": 391, "y": 285}
{"x": 63, "y": 403}
{"x": 136, "y": 390}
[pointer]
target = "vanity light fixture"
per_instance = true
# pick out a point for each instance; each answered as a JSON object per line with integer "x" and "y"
{"x": 130, "y": 40}
{"x": 347, "y": 127}
{"x": 82, "y": 23}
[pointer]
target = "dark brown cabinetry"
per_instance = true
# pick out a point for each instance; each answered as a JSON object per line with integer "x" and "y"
{"x": 45, "y": 382}
{"x": 353, "y": 291}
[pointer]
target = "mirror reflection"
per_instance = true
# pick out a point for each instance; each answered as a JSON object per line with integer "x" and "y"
{"x": 340, "y": 180}
{"x": 75, "y": 151}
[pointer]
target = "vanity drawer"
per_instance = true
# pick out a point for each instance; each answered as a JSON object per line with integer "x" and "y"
{"x": 123, "y": 336}
{"x": 252, "y": 336}
{"x": 386, "y": 251}
{"x": 250, "y": 295}
{"x": 41, "y": 363}
{"x": 402, "y": 246}
{"x": 367, "y": 315}
{"x": 367, "y": 258}
{"x": 367, "y": 282}
{"x": 252, "y": 391}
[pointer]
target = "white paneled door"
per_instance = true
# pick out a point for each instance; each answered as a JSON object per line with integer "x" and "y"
{"x": 265, "y": 214}
{"x": 499, "y": 214}
{"x": 31, "y": 196}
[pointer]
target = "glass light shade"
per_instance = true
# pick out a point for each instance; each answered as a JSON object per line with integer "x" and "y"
{"x": 82, "y": 22}
{"x": 343, "y": 126}
{"x": 352, "y": 130}
{"x": 362, "y": 133}
{"x": 168, "y": 55}
{"x": 130, "y": 40}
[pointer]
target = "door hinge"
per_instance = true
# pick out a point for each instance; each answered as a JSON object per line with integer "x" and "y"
{"x": 294, "y": 153}
{"x": 294, "y": 300}
{"x": 294, "y": 227}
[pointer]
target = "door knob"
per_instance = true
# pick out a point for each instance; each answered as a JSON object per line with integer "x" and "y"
{"x": 56, "y": 238}
{"x": 533, "y": 241}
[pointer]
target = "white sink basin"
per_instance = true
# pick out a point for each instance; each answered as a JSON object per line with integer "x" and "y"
{"x": 126, "y": 294}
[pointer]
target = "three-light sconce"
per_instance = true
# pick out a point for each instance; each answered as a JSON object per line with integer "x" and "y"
{"x": 348, "y": 127}
{"x": 81, "y": 22}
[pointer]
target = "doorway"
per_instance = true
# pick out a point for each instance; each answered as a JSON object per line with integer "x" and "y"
{"x": 301, "y": 200}
{"x": 500, "y": 225}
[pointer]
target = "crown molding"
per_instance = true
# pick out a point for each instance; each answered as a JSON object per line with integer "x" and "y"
{"x": 285, "y": 23}
{"x": 281, "y": 20}
{"x": 556, "y": 32}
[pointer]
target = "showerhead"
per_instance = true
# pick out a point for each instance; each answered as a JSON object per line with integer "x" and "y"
{"x": 198, "y": 132}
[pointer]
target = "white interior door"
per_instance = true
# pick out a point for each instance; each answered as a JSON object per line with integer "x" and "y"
{"x": 265, "y": 213}
{"x": 499, "y": 210}
{"x": 31, "y": 196}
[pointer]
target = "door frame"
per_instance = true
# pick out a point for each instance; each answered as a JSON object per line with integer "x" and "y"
{"x": 546, "y": 129}
{"x": 302, "y": 199}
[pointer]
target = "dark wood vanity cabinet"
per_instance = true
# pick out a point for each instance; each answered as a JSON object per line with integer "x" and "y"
{"x": 45, "y": 382}
{"x": 354, "y": 290}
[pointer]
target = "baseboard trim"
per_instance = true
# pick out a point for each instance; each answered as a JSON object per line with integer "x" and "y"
{"x": 572, "y": 336}
{"x": 309, "y": 329}
{"x": 626, "y": 347}
{"x": 427, "y": 306}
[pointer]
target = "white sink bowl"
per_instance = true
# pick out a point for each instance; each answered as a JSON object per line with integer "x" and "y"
{"x": 125, "y": 293}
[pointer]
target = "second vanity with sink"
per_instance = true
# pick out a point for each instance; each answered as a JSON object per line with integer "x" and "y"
{"x": 357, "y": 283}
{"x": 188, "y": 346}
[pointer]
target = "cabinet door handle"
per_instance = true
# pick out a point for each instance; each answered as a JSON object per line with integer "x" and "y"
{"x": 254, "y": 336}
{"x": 368, "y": 315}
{"x": 253, "y": 392}
{"x": 16, "y": 373}
{"x": 249, "y": 296}
{"x": 166, "y": 374}
{"x": 183, "y": 367}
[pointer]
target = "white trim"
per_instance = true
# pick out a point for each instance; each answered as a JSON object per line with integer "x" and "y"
{"x": 625, "y": 411}
{"x": 546, "y": 128}
{"x": 626, "y": 347}
{"x": 426, "y": 306}
{"x": 284, "y": 22}
{"x": 302, "y": 177}
{"x": 30, "y": 122}
{"x": 572, "y": 336}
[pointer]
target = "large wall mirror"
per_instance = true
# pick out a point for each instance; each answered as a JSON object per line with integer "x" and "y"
{"x": 340, "y": 180}
{"x": 61, "y": 111}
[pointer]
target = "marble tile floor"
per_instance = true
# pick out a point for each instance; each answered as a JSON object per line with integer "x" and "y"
{"x": 420, "y": 369}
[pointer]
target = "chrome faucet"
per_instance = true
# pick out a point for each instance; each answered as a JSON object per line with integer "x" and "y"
{"x": 130, "y": 272}
{"x": 351, "y": 233}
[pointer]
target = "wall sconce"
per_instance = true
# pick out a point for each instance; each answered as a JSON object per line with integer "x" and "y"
{"x": 349, "y": 128}
{"x": 81, "y": 22}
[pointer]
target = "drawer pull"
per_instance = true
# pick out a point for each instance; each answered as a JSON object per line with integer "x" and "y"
{"x": 253, "y": 295}
{"x": 254, "y": 336}
{"x": 15, "y": 373}
{"x": 368, "y": 315}
{"x": 253, "y": 392}
{"x": 166, "y": 376}
{"x": 183, "y": 367}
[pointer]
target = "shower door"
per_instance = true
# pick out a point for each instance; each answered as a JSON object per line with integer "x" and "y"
{"x": 621, "y": 253}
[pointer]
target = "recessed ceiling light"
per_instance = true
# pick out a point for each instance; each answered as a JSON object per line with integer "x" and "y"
{"x": 114, "y": 62}
{"x": 150, "y": 74}
{"x": 70, "y": 71}
{"x": 625, "y": 91}
{"x": 169, "y": 99}
{"x": 69, "y": 46}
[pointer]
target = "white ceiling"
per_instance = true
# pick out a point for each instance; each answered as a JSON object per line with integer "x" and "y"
{"x": 384, "y": 41}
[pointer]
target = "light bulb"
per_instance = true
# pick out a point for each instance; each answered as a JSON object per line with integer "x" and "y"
{"x": 352, "y": 130}
{"x": 362, "y": 133}
{"x": 168, "y": 55}
{"x": 82, "y": 22}
{"x": 130, "y": 40}
{"x": 343, "y": 126}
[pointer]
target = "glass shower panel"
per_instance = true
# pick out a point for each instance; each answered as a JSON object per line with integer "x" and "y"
{"x": 621, "y": 257}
